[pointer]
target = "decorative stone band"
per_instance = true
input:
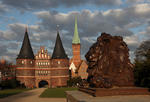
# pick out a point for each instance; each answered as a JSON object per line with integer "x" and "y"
{"x": 59, "y": 68}
{"x": 25, "y": 76}
{"x": 42, "y": 76}
{"x": 22, "y": 68}
{"x": 59, "y": 76}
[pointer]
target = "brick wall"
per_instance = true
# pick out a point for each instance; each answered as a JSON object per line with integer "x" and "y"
{"x": 76, "y": 54}
{"x": 25, "y": 72}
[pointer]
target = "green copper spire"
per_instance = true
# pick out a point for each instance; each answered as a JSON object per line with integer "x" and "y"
{"x": 76, "y": 39}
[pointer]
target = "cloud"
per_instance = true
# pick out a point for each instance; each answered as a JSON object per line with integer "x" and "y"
{"x": 91, "y": 24}
{"x": 145, "y": 33}
{"x": 136, "y": 1}
{"x": 46, "y": 4}
{"x": 3, "y": 8}
{"x": 132, "y": 42}
{"x": 119, "y": 22}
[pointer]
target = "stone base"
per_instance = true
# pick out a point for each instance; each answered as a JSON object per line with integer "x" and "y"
{"x": 98, "y": 92}
{"x": 79, "y": 96}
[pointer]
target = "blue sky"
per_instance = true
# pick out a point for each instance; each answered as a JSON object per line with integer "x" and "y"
{"x": 127, "y": 18}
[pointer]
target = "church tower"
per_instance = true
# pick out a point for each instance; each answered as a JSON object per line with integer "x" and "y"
{"x": 59, "y": 64}
{"x": 76, "y": 46}
{"x": 25, "y": 62}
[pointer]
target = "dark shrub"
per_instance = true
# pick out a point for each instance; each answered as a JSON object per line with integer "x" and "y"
{"x": 11, "y": 83}
{"x": 75, "y": 81}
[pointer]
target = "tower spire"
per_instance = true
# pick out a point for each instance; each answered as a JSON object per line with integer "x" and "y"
{"x": 59, "y": 52}
{"x": 26, "y": 28}
{"x": 26, "y": 51}
{"x": 76, "y": 39}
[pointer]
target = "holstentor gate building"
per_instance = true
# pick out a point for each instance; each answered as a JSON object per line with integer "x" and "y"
{"x": 33, "y": 69}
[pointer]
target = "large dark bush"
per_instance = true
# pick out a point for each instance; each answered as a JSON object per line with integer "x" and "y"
{"x": 11, "y": 83}
{"x": 142, "y": 74}
{"x": 142, "y": 65}
{"x": 73, "y": 82}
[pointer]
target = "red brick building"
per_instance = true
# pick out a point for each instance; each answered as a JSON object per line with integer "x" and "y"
{"x": 7, "y": 70}
{"x": 77, "y": 66}
{"x": 34, "y": 70}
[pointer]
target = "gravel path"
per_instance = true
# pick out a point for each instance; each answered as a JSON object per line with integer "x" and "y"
{"x": 31, "y": 96}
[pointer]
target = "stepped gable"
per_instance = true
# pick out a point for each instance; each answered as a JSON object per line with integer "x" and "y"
{"x": 26, "y": 51}
{"x": 59, "y": 52}
{"x": 108, "y": 63}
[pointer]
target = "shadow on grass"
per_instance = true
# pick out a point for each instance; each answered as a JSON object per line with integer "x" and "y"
{"x": 10, "y": 92}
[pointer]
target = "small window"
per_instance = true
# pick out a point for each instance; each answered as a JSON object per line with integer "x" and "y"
{"x": 22, "y": 62}
{"x": 58, "y": 62}
{"x": 31, "y": 62}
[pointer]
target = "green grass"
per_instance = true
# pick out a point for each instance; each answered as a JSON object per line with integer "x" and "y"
{"x": 8, "y": 92}
{"x": 56, "y": 92}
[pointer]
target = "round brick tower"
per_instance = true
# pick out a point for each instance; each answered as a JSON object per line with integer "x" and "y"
{"x": 59, "y": 64}
{"x": 25, "y": 62}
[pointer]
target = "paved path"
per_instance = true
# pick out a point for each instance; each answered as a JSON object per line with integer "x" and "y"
{"x": 31, "y": 96}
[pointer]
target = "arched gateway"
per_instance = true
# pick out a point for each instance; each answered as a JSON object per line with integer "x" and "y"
{"x": 43, "y": 83}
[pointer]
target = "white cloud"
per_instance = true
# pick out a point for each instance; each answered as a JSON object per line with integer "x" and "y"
{"x": 142, "y": 8}
{"x": 3, "y": 8}
{"x": 90, "y": 24}
{"x": 132, "y": 40}
{"x": 46, "y": 4}
{"x": 137, "y": 1}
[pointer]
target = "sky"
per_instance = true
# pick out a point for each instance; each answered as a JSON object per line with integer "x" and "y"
{"x": 127, "y": 18}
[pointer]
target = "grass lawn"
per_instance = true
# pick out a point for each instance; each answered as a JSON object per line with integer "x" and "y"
{"x": 8, "y": 92}
{"x": 56, "y": 92}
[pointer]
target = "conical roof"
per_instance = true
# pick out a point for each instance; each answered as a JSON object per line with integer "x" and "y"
{"x": 26, "y": 51}
{"x": 59, "y": 52}
{"x": 76, "y": 39}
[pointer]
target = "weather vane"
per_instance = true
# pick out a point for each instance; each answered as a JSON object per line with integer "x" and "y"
{"x": 57, "y": 26}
